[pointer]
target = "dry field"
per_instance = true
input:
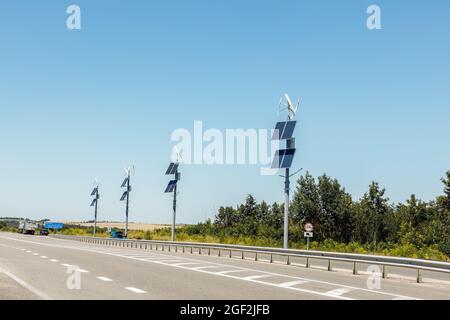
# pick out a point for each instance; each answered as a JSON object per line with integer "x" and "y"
{"x": 121, "y": 225}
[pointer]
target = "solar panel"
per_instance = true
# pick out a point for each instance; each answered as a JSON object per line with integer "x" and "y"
{"x": 93, "y": 202}
{"x": 171, "y": 186}
{"x": 277, "y": 160}
{"x": 288, "y": 130}
{"x": 278, "y": 132}
{"x": 124, "y": 183}
{"x": 287, "y": 159}
{"x": 283, "y": 158}
{"x": 173, "y": 167}
{"x": 169, "y": 170}
{"x": 94, "y": 192}
{"x": 124, "y": 196}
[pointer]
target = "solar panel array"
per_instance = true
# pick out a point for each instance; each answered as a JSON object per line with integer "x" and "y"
{"x": 171, "y": 186}
{"x": 124, "y": 183}
{"x": 124, "y": 196}
{"x": 93, "y": 202}
{"x": 284, "y": 130}
{"x": 94, "y": 192}
{"x": 283, "y": 158}
{"x": 173, "y": 167}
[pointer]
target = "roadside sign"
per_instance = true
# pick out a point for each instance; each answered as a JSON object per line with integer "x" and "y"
{"x": 308, "y": 234}
{"x": 308, "y": 227}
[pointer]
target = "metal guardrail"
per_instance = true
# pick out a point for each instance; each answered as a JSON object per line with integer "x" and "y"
{"x": 229, "y": 249}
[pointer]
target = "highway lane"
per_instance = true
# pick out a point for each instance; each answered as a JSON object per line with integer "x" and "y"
{"x": 34, "y": 267}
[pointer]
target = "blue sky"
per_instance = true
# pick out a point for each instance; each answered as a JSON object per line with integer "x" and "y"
{"x": 81, "y": 104}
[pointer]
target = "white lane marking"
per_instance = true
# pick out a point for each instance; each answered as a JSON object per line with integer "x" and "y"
{"x": 104, "y": 279}
{"x": 82, "y": 271}
{"x": 257, "y": 277}
{"x": 338, "y": 292}
{"x": 204, "y": 267}
{"x": 184, "y": 263}
{"x": 66, "y": 265}
{"x": 135, "y": 290}
{"x": 400, "y": 298}
{"x": 228, "y": 271}
{"x": 27, "y": 286}
{"x": 291, "y": 283}
{"x": 167, "y": 261}
{"x": 35, "y": 254}
{"x": 28, "y": 251}
{"x": 44, "y": 257}
{"x": 54, "y": 260}
{"x": 85, "y": 249}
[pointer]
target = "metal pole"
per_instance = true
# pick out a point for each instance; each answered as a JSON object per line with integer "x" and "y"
{"x": 307, "y": 243}
{"x": 126, "y": 212}
{"x": 174, "y": 207}
{"x": 95, "y": 217}
{"x": 286, "y": 209}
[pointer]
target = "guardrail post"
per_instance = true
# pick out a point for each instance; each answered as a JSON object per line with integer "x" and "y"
{"x": 219, "y": 252}
{"x": 183, "y": 248}
{"x": 243, "y": 255}
{"x": 176, "y": 248}
{"x": 419, "y": 276}
{"x": 209, "y": 251}
{"x": 256, "y": 256}
{"x": 163, "y": 247}
{"x": 191, "y": 250}
{"x": 307, "y": 262}
{"x": 271, "y": 258}
{"x": 169, "y": 247}
{"x": 329, "y": 265}
{"x": 156, "y": 245}
{"x": 355, "y": 268}
{"x": 199, "y": 250}
{"x": 384, "y": 274}
{"x": 288, "y": 261}
{"x": 230, "y": 253}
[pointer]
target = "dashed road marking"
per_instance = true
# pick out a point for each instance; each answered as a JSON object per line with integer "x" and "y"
{"x": 240, "y": 269}
{"x": 291, "y": 283}
{"x": 44, "y": 257}
{"x": 104, "y": 279}
{"x": 228, "y": 271}
{"x": 53, "y": 260}
{"x": 257, "y": 277}
{"x": 338, "y": 292}
{"x": 82, "y": 271}
{"x": 135, "y": 290}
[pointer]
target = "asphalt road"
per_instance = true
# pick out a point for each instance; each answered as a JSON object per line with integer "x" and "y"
{"x": 34, "y": 267}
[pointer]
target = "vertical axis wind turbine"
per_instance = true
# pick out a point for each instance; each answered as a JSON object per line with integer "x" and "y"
{"x": 126, "y": 196}
{"x": 95, "y": 193}
{"x": 172, "y": 187}
{"x": 284, "y": 157}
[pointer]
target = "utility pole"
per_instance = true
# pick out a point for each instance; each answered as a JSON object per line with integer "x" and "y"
{"x": 174, "y": 207}
{"x": 172, "y": 187}
{"x": 94, "y": 203}
{"x": 126, "y": 196}
{"x": 284, "y": 157}
{"x": 127, "y": 206}
{"x": 286, "y": 209}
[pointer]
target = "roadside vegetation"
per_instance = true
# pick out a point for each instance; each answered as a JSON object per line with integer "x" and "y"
{"x": 370, "y": 225}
